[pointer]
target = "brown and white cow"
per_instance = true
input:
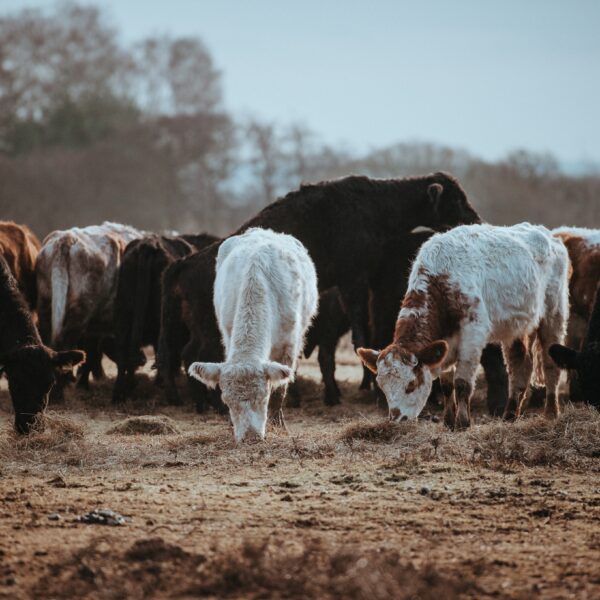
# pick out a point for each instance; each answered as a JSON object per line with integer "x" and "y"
{"x": 19, "y": 247}
{"x": 583, "y": 246}
{"x": 471, "y": 286}
{"x": 77, "y": 281}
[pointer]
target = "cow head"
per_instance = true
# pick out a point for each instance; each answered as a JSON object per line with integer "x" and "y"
{"x": 586, "y": 363}
{"x": 31, "y": 372}
{"x": 449, "y": 203}
{"x": 245, "y": 389}
{"x": 404, "y": 377}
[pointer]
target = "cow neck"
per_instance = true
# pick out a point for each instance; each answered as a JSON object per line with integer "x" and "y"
{"x": 250, "y": 339}
{"x": 18, "y": 328}
{"x": 429, "y": 313}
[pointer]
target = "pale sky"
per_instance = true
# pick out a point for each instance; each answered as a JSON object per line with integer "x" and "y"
{"x": 485, "y": 76}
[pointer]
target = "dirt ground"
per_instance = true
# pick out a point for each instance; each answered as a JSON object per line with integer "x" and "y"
{"x": 340, "y": 506}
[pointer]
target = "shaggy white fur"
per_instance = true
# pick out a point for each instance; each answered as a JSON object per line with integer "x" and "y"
{"x": 265, "y": 297}
{"x": 514, "y": 282}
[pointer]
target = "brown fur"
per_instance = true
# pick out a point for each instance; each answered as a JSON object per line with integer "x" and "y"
{"x": 446, "y": 308}
{"x": 585, "y": 262}
{"x": 20, "y": 247}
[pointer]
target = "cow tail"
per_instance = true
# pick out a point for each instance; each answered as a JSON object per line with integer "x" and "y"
{"x": 142, "y": 296}
{"x": 60, "y": 291}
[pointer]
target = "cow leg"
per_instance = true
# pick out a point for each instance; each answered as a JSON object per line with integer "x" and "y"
{"x": 92, "y": 364}
{"x": 496, "y": 377}
{"x": 356, "y": 304}
{"x": 327, "y": 366}
{"x": 549, "y": 332}
{"x": 202, "y": 396}
{"x": 520, "y": 367}
{"x": 460, "y": 400}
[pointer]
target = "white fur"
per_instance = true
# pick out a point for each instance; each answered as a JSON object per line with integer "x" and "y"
{"x": 515, "y": 280}
{"x": 591, "y": 237}
{"x": 265, "y": 296}
{"x": 65, "y": 279}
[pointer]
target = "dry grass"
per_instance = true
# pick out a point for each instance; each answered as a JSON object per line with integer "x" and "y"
{"x": 533, "y": 441}
{"x": 145, "y": 425}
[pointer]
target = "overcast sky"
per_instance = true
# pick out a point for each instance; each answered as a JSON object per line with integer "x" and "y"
{"x": 485, "y": 76}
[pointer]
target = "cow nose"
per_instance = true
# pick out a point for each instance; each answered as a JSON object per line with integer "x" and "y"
{"x": 404, "y": 418}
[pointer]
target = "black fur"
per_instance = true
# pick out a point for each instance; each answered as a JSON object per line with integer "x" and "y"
{"x": 346, "y": 226}
{"x": 585, "y": 362}
{"x": 138, "y": 300}
{"x": 30, "y": 366}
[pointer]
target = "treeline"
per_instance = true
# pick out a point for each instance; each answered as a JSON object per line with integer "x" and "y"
{"x": 91, "y": 129}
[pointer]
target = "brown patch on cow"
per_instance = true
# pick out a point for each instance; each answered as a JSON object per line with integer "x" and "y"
{"x": 585, "y": 264}
{"x": 442, "y": 306}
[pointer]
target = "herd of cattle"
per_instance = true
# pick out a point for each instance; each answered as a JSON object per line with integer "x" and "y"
{"x": 335, "y": 256}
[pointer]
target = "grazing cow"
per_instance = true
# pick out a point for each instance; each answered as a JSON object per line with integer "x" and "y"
{"x": 585, "y": 361}
{"x": 345, "y": 226}
{"x": 19, "y": 247}
{"x": 30, "y": 366}
{"x": 265, "y": 297}
{"x": 77, "y": 283}
{"x": 470, "y": 286}
{"x": 137, "y": 305}
{"x": 388, "y": 288}
{"x": 583, "y": 246}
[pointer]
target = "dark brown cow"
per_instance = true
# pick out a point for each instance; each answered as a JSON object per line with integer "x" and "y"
{"x": 30, "y": 366}
{"x": 137, "y": 305}
{"x": 19, "y": 247}
{"x": 346, "y": 226}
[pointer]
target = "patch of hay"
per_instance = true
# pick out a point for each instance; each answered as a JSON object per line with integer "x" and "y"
{"x": 50, "y": 431}
{"x": 573, "y": 436}
{"x": 380, "y": 432}
{"x": 145, "y": 425}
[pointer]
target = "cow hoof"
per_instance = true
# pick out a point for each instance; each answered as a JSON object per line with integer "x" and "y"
{"x": 551, "y": 412}
{"x": 450, "y": 419}
{"x": 332, "y": 400}
{"x": 83, "y": 384}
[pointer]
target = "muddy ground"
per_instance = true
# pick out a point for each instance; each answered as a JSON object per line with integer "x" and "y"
{"x": 340, "y": 506}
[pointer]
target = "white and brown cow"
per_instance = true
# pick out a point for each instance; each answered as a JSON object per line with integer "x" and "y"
{"x": 265, "y": 296}
{"x": 468, "y": 287}
{"x": 76, "y": 283}
{"x": 583, "y": 246}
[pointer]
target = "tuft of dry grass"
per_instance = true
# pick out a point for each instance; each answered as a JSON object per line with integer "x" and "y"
{"x": 535, "y": 440}
{"x": 145, "y": 425}
{"x": 571, "y": 439}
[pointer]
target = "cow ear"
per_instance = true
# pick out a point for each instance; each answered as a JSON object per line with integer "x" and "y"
{"x": 433, "y": 355}
{"x": 435, "y": 191}
{"x": 68, "y": 358}
{"x": 277, "y": 373}
{"x": 208, "y": 373}
{"x": 564, "y": 357}
{"x": 369, "y": 358}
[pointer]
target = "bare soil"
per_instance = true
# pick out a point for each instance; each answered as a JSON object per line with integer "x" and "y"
{"x": 342, "y": 505}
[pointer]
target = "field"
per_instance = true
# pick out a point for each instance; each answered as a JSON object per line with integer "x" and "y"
{"x": 342, "y": 505}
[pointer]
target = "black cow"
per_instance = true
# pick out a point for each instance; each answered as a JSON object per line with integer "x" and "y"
{"x": 346, "y": 225}
{"x": 30, "y": 366}
{"x": 138, "y": 300}
{"x": 585, "y": 362}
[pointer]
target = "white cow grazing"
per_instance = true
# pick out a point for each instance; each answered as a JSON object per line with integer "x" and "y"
{"x": 468, "y": 287}
{"x": 265, "y": 296}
